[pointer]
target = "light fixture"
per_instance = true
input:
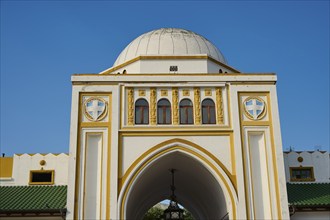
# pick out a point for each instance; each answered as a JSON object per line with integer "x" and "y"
{"x": 173, "y": 211}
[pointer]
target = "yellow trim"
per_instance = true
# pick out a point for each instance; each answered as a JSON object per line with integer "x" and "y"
{"x": 262, "y": 114}
{"x": 170, "y": 132}
{"x": 78, "y": 149}
{"x": 184, "y": 57}
{"x": 6, "y": 167}
{"x": 130, "y": 105}
{"x": 142, "y": 92}
{"x": 245, "y": 179}
{"x": 108, "y": 188}
{"x": 258, "y": 83}
{"x": 153, "y": 106}
{"x": 121, "y": 107}
{"x": 232, "y": 154}
{"x": 311, "y": 169}
{"x": 164, "y": 92}
{"x": 228, "y": 106}
{"x": 135, "y": 174}
{"x": 208, "y": 92}
{"x": 255, "y": 123}
{"x": 219, "y": 106}
{"x": 42, "y": 183}
{"x": 101, "y": 179}
{"x": 269, "y": 124}
{"x": 273, "y": 147}
{"x": 122, "y": 180}
{"x": 82, "y": 125}
{"x": 103, "y": 114}
{"x": 268, "y": 170}
{"x": 251, "y": 175}
{"x": 94, "y": 124}
{"x": 197, "y": 105}
{"x": 175, "y": 105}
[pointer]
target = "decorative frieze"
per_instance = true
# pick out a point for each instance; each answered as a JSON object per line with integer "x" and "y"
{"x": 163, "y": 92}
{"x": 142, "y": 92}
{"x": 197, "y": 104}
{"x": 130, "y": 106}
{"x": 219, "y": 99}
{"x": 208, "y": 92}
{"x": 175, "y": 105}
{"x": 153, "y": 106}
{"x": 186, "y": 92}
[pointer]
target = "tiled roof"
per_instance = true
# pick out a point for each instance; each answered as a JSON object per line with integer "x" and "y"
{"x": 32, "y": 198}
{"x": 309, "y": 194}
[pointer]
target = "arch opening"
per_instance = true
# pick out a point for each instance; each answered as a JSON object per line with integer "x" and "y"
{"x": 196, "y": 188}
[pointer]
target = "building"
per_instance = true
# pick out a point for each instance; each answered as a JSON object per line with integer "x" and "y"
{"x": 308, "y": 184}
{"x": 171, "y": 101}
{"x": 33, "y": 185}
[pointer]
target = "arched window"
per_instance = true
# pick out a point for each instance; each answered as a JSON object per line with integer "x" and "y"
{"x": 208, "y": 111}
{"x": 164, "y": 112}
{"x": 186, "y": 112}
{"x": 141, "y": 111}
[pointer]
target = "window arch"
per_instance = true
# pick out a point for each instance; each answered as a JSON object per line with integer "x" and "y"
{"x": 208, "y": 111}
{"x": 164, "y": 112}
{"x": 141, "y": 111}
{"x": 186, "y": 112}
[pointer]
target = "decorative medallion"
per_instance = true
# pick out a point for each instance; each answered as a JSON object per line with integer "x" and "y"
{"x": 186, "y": 92}
{"x": 142, "y": 92}
{"x": 163, "y": 92}
{"x": 208, "y": 92}
{"x": 95, "y": 108}
{"x": 254, "y": 108}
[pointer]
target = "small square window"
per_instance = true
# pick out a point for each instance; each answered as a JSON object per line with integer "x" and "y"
{"x": 298, "y": 174}
{"x": 41, "y": 177}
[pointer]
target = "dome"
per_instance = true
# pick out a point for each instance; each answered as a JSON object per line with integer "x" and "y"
{"x": 169, "y": 42}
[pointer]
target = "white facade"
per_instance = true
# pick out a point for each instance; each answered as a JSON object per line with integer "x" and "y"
{"x": 317, "y": 160}
{"x": 119, "y": 168}
{"x": 23, "y": 164}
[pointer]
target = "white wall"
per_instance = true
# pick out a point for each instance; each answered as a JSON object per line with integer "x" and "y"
{"x": 23, "y": 164}
{"x": 311, "y": 215}
{"x": 316, "y": 159}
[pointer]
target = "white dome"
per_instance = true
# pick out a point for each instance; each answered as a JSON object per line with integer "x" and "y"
{"x": 169, "y": 41}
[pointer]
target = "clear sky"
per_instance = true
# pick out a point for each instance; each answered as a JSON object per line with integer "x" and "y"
{"x": 44, "y": 42}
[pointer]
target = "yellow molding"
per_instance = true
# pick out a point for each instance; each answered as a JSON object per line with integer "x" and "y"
{"x": 189, "y": 151}
{"x": 269, "y": 124}
{"x": 42, "y": 183}
{"x": 255, "y": 123}
{"x": 82, "y": 125}
{"x": 178, "y": 140}
{"x": 229, "y": 113}
{"x": 312, "y": 179}
{"x": 176, "y": 133}
{"x": 94, "y": 124}
{"x": 273, "y": 147}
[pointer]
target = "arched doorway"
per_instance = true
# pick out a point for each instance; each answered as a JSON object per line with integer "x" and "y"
{"x": 197, "y": 187}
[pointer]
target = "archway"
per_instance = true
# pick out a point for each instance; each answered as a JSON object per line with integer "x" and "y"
{"x": 197, "y": 188}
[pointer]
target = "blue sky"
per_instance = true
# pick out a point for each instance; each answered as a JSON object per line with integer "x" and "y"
{"x": 44, "y": 42}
